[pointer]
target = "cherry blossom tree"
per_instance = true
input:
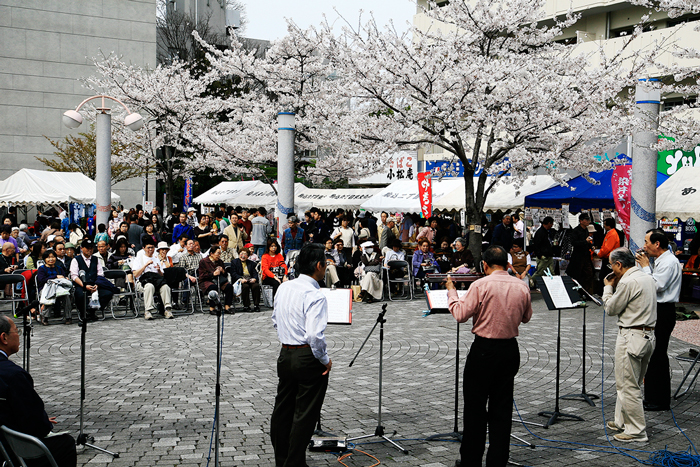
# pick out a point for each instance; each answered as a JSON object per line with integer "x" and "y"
{"x": 491, "y": 87}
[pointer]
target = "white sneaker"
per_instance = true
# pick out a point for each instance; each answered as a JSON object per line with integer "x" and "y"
{"x": 168, "y": 314}
{"x": 147, "y": 315}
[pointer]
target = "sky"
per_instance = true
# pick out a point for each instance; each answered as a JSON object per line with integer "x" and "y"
{"x": 266, "y": 18}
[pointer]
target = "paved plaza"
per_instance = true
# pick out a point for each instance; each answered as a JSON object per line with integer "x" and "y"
{"x": 151, "y": 385}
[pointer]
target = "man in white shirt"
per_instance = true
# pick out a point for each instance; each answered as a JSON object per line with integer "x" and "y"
{"x": 300, "y": 318}
{"x": 667, "y": 274}
{"x": 630, "y": 294}
{"x": 149, "y": 277}
{"x": 178, "y": 248}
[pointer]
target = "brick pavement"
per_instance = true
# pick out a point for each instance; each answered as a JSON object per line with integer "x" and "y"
{"x": 150, "y": 388}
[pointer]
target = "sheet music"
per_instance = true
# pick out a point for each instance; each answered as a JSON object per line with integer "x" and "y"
{"x": 557, "y": 291}
{"x": 438, "y": 298}
{"x": 339, "y": 305}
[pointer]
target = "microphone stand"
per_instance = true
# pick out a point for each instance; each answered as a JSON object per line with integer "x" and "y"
{"x": 85, "y": 439}
{"x": 214, "y": 298}
{"x": 27, "y": 333}
{"x": 379, "y": 431}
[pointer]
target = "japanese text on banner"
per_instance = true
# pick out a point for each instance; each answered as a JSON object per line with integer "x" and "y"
{"x": 622, "y": 195}
{"x": 425, "y": 192}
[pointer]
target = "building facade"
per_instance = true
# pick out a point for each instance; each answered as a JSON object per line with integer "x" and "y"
{"x": 46, "y": 46}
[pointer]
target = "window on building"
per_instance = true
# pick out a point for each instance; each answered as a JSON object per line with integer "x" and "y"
{"x": 672, "y": 102}
{"x": 682, "y": 20}
{"x": 626, "y": 31}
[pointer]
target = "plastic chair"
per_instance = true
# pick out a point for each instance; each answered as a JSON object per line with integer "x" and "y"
{"x": 129, "y": 294}
{"x": 27, "y": 446}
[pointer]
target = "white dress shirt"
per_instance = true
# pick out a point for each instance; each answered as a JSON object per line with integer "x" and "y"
{"x": 301, "y": 315}
{"x": 141, "y": 259}
{"x": 75, "y": 269}
{"x": 175, "y": 252}
{"x": 667, "y": 274}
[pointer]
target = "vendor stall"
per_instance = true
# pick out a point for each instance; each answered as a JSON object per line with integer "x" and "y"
{"x": 327, "y": 199}
{"x": 402, "y": 195}
{"x": 29, "y": 187}
{"x": 680, "y": 195}
{"x": 225, "y": 192}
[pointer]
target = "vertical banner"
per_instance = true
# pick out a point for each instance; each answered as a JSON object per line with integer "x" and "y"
{"x": 622, "y": 195}
{"x": 425, "y": 192}
{"x": 188, "y": 194}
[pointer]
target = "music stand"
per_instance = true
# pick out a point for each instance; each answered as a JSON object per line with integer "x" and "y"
{"x": 558, "y": 293}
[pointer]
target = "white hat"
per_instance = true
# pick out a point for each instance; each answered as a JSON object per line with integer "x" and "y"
{"x": 163, "y": 246}
{"x": 191, "y": 209}
{"x": 367, "y": 245}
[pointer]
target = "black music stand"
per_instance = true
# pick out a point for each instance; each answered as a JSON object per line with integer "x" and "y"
{"x": 553, "y": 304}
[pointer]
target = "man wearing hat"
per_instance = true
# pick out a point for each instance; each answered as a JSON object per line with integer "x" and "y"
{"x": 293, "y": 237}
{"x": 581, "y": 265}
{"x": 67, "y": 256}
{"x": 88, "y": 264}
{"x": 192, "y": 217}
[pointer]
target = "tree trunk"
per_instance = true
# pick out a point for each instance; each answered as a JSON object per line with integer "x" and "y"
{"x": 169, "y": 179}
{"x": 473, "y": 217}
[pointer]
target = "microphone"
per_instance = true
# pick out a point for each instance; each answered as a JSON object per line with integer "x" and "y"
{"x": 214, "y": 297}
{"x": 81, "y": 274}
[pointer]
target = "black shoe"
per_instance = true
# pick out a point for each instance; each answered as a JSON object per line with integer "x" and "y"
{"x": 68, "y": 321}
{"x": 256, "y": 309}
{"x": 655, "y": 408}
{"x": 246, "y": 309}
{"x": 91, "y": 317}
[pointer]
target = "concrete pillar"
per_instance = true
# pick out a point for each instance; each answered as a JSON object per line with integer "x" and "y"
{"x": 103, "y": 174}
{"x": 644, "y": 160}
{"x": 285, "y": 168}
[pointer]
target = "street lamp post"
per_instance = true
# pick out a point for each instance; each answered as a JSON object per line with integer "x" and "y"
{"x": 103, "y": 163}
{"x": 285, "y": 168}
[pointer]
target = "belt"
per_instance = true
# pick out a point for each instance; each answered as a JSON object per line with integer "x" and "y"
{"x": 639, "y": 328}
{"x": 303, "y": 346}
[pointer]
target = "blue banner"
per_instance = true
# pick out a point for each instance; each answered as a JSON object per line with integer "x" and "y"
{"x": 188, "y": 194}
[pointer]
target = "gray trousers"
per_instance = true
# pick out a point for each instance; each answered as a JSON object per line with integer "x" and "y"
{"x": 633, "y": 350}
{"x": 149, "y": 291}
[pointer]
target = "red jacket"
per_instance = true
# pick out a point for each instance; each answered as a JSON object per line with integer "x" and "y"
{"x": 267, "y": 262}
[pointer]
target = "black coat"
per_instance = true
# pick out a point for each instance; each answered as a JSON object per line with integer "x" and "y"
{"x": 582, "y": 250}
{"x": 542, "y": 244}
{"x": 22, "y": 410}
{"x": 237, "y": 270}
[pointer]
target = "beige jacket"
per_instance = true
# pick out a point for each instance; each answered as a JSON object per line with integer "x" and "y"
{"x": 633, "y": 300}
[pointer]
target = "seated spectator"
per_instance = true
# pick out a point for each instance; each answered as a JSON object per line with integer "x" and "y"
{"x": 149, "y": 235}
{"x": 164, "y": 261}
{"x": 101, "y": 234}
{"x": 149, "y": 275}
{"x": 33, "y": 260}
{"x": 94, "y": 280}
{"x": 342, "y": 266}
{"x": 462, "y": 258}
{"x": 190, "y": 262}
{"x": 212, "y": 276}
{"x": 227, "y": 254}
{"x": 346, "y": 234}
{"x": 423, "y": 260}
{"x": 24, "y": 233}
{"x": 273, "y": 267}
{"x": 52, "y": 269}
{"x": 119, "y": 259}
{"x": 70, "y": 255}
{"x": 8, "y": 259}
{"x": 244, "y": 270}
{"x": 6, "y": 237}
{"x": 122, "y": 232}
{"x": 370, "y": 273}
{"x": 22, "y": 247}
{"x": 443, "y": 254}
{"x": 178, "y": 249}
{"x": 332, "y": 258}
{"x": 103, "y": 253}
{"x": 519, "y": 261}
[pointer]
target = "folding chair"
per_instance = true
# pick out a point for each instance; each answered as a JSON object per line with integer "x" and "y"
{"x": 406, "y": 281}
{"x": 15, "y": 296}
{"x": 5, "y": 455}
{"x": 185, "y": 288}
{"x": 129, "y": 294}
{"x": 27, "y": 446}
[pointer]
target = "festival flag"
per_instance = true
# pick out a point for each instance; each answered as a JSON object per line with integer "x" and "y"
{"x": 188, "y": 194}
{"x": 425, "y": 192}
{"x": 622, "y": 195}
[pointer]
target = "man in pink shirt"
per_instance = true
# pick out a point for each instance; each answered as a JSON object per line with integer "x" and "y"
{"x": 498, "y": 303}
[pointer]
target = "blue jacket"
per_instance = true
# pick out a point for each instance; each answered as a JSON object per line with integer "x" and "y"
{"x": 180, "y": 229}
{"x": 292, "y": 243}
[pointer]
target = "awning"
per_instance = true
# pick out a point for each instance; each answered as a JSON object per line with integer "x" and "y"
{"x": 325, "y": 199}
{"x": 29, "y": 187}
{"x": 402, "y": 196}
{"x": 225, "y": 192}
{"x": 261, "y": 195}
{"x": 679, "y": 196}
{"x": 502, "y": 196}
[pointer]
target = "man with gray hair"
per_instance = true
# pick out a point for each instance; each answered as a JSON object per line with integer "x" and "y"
{"x": 630, "y": 294}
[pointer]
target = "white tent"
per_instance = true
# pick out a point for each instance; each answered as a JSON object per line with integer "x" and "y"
{"x": 679, "y": 196}
{"x": 225, "y": 192}
{"x": 402, "y": 195}
{"x": 325, "y": 199}
{"x": 29, "y": 187}
{"x": 261, "y": 195}
{"x": 502, "y": 196}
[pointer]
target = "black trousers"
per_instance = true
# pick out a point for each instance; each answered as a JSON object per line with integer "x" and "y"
{"x": 300, "y": 394}
{"x": 246, "y": 288}
{"x": 104, "y": 294}
{"x": 657, "y": 382}
{"x": 488, "y": 381}
{"x": 272, "y": 283}
{"x": 226, "y": 290}
{"x": 62, "y": 449}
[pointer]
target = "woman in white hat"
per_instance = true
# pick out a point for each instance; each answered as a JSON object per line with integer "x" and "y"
{"x": 163, "y": 260}
{"x": 370, "y": 273}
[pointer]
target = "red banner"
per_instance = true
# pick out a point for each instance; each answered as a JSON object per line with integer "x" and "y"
{"x": 425, "y": 192}
{"x": 622, "y": 194}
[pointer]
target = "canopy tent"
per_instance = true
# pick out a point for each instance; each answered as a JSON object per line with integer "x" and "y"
{"x": 28, "y": 187}
{"x": 584, "y": 195}
{"x": 680, "y": 195}
{"x": 325, "y": 199}
{"x": 261, "y": 195}
{"x": 225, "y": 192}
{"x": 502, "y": 196}
{"x": 402, "y": 195}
